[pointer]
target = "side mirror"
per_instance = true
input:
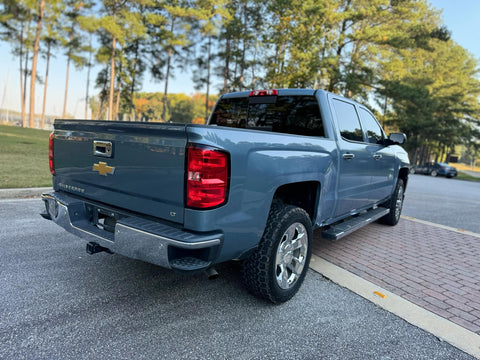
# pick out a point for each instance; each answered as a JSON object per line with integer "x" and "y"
{"x": 397, "y": 138}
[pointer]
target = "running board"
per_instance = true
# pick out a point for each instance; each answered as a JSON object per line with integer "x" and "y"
{"x": 338, "y": 231}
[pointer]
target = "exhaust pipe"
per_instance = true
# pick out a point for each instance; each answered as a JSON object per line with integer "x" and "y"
{"x": 211, "y": 273}
{"x": 93, "y": 248}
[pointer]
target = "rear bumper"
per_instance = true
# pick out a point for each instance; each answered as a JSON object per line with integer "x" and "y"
{"x": 447, "y": 173}
{"x": 134, "y": 236}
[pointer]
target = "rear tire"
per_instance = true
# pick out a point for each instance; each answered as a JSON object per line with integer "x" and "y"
{"x": 434, "y": 173}
{"x": 395, "y": 204}
{"x": 277, "y": 268}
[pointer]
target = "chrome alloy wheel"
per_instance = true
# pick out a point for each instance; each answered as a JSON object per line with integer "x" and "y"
{"x": 291, "y": 255}
{"x": 399, "y": 203}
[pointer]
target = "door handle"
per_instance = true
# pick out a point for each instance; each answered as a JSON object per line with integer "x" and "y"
{"x": 377, "y": 156}
{"x": 348, "y": 156}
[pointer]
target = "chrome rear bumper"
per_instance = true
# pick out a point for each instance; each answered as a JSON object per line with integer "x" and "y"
{"x": 133, "y": 236}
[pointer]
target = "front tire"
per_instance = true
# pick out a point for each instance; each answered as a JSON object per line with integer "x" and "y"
{"x": 434, "y": 173}
{"x": 395, "y": 204}
{"x": 277, "y": 268}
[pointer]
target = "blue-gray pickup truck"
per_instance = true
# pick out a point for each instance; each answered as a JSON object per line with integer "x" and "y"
{"x": 251, "y": 185}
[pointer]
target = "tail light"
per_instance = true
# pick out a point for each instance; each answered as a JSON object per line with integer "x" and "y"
{"x": 50, "y": 154}
{"x": 207, "y": 177}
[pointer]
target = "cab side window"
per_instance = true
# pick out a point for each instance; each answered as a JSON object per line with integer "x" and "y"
{"x": 348, "y": 121}
{"x": 370, "y": 126}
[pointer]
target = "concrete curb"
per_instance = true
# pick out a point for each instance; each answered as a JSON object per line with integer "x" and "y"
{"x": 459, "y": 231}
{"x": 454, "y": 334}
{"x": 23, "y": 193}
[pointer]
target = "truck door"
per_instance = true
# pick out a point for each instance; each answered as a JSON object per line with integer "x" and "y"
{"x": 382, "y": 167}
{"x": 354, "y": 178}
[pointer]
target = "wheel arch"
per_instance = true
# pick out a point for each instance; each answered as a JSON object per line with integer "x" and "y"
{"x": 403, "y": 174}
{"x": 303, "y": 194}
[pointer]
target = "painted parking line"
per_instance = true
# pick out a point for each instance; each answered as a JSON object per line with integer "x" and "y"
{"x": 460, "y": 231}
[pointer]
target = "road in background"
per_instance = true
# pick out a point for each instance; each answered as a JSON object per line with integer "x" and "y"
{"x": 450, "y": 202}
{"x": 59, "y": 302}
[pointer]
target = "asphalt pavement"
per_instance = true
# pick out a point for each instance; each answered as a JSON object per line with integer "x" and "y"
{"x": 450, "y": 202}
{"x": 60, "y": 303}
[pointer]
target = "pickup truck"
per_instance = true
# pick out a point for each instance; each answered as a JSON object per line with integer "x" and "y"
{"x": 251, "y": 185}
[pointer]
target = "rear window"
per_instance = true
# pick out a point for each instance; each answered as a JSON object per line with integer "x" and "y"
{"x": 298, "y": 115}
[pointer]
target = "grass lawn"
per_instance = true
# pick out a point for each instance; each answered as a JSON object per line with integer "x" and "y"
{"x": 466, "y": 167}
{"x": 463, "y": 176}
{"x": 23, "y": 158}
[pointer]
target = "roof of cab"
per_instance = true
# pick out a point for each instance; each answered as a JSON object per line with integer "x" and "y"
{"x": 281, "y": 92}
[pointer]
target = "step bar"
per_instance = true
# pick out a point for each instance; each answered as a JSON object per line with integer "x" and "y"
{"x": 338, "y": 231}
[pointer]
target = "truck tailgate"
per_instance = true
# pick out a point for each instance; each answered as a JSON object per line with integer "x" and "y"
{"x": 135, "y": 166}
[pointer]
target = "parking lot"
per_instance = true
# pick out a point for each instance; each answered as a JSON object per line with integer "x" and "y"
{"x": 59, "y": 302}
{"x": 451, "y": 202}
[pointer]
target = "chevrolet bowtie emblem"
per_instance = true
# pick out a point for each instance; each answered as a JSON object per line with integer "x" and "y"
{"x": 103, "y": 168}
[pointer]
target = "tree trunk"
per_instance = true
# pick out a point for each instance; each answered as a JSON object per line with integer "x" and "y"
{"x": 45, "y": 86}
{"x": 64, "y": 114}
{"x": 25, "y": 76}
{"x": 336, "y": 69}
{"x": 442, "y": 154}
{"x": 227, "y": 65}
{"x": 117, "y": 104}
{"x": 112, "y": 74}
{"x": 118, "y": 91}
{"x": 254, "y": 80}
{"x": 104, "y": 89}
{"x": 244, "y": 49}
{"x": 34, "y": 63}
{"x": 235, "y": 82}
{"x": 134, "y": 76}
{"x": 89, "y": 67}
{"x": 209, "y": 51}
{"x": 167, "y": 75}
{"x": 22, "y": 88}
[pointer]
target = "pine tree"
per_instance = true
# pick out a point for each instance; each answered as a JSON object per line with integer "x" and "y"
{"x": 73, "y": 40}
{"x": 51, "y": 40}
{"x": 36, "y": 46}
{"x": 15, "y": 20}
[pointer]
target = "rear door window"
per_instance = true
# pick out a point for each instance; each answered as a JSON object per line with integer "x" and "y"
{"x": 348, "y": 122}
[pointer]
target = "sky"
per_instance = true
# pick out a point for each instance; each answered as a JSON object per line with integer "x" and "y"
{"x": 461, "y": 17}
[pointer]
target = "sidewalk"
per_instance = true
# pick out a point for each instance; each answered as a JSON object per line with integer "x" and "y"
{"x": 23, "y": 193}
{"x": 471, "y": 173}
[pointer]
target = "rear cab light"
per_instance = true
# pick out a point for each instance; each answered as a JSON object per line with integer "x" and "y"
{"x": 50, "y": 153}
{"x": 270, "y": 92}
{"x": 207, "y": 177}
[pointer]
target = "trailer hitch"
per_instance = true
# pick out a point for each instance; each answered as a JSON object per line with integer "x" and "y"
{"x": 93, "y": 248}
